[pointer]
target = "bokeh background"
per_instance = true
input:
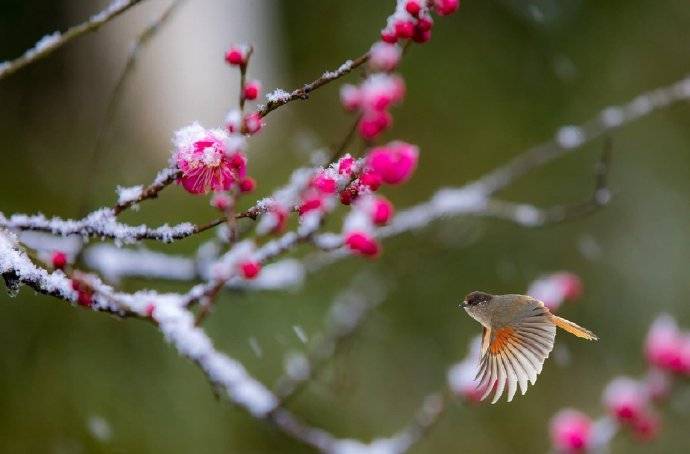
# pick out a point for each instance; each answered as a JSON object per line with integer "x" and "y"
{"x": 497, "y": 77}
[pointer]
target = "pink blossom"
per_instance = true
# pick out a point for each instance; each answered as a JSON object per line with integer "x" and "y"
{"x": 555, "y": 288}
{"x": 201, "y": 157}
{"x": 150, "y": 308}
{"x": 666, "y": 347}
{"x": 346, "y": 165}
{"x": 310, "y": 204}
{"x": 446, "y": 7}
{"x": 250, "y": 269}
{"x": 58, "y": 260}
{"x": 253, "y": 123}
{"x": 384, "y": 56}
{"x": 252, "y": 89}
{"x": 380, "y": 91}
{"x": 237, "y": 55}
{"x": 394, "y": 162}
{"x": 413, "y": 7}
{"x": 362, "y": 244}
{"x": 350, "y": 97}
{"x": 421, "y": 36}
{"x": 373, "y": 123}
{"x": 381, "y": 211}
{"x": 247, "y": 184}
{"x": 84, "y": 292}
{"x": 404, "y": 29}
{"x": 324, "y": 184}
{"x": 348, "y": 195}
{"x": 388, "y": 36}
{"x": 371, "y": 180}
{"x": 221, "y": 201}
{"x": 625, "y": 399}
{"x": 571, "y": 431}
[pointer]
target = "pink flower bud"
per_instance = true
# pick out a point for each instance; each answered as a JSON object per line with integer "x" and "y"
{"x": 348, "y": 195}
{"x": 413, "y": 7}
{"x": 253, "y": 123}
{"x": 84, "y": 293}
{"x": 625, "y": 399}
{"x": 250, "y": 269}
{"x": 373, "y": 123}
{"x": 370, "y": 179}
{"x": 571, "y": 431}
{"x": 310, "y": 204}
{"x": 666, "y": 347}
{"x": 388, "y": 36}
{"x": 324, "y": 184}
{"x": 59, "y": 260}
{"x": 280, "y": 216}
{"x": 382, "y": 211}
{"x": 425, "y": 23}
{"x": 350, "y": 97}
{"x": 237, "y": 55}
{"x": 404, "y": 29}
{"x": 362, "y": 244}
{"x": 247, "y": 184}
{"x": 346, "y": 164}
{"x": 421, "y": 36}
{"x": 394, "y": 162}
{"x": 446, "y": 7}
{"x": 150, "y": 308}
{"x": 220, "y": 201}
{"x": 384, "y": 56}
{"x": 252, "y": 89}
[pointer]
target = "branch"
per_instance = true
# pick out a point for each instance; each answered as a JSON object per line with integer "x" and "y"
{"x": 49, "y": 43}
{"x": 279, "y": 98}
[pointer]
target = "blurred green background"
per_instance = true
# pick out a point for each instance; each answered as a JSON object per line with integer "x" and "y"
{"x": 497, "y": 77}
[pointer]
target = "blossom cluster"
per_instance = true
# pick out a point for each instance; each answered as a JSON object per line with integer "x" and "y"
{"x": 631, "y": 403}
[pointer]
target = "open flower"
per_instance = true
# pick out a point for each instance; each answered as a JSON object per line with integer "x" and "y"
{"x": 201, "y": 155}
{"x": 571, "y": 431}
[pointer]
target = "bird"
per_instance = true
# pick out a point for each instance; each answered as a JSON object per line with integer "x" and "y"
{"x": 518, "y": 335}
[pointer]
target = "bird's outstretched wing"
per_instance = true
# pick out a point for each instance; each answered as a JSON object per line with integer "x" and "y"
{"x": 514, "y": 354}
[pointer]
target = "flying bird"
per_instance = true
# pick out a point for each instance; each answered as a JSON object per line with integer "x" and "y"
{"x": 518, "y": 335}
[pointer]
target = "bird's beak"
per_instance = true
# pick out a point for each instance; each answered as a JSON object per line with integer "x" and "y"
{"x": 463, "y": 304}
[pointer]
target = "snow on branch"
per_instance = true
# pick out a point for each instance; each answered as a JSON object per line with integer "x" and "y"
{"x": 51, "y": 42}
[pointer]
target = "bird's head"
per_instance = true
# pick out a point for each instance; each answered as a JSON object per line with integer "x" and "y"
{"x": 476, "y": 305}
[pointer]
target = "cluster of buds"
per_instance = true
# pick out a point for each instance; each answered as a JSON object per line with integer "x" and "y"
{"x": 556, "y": 288}
{"x": 412, "y": 19}
{"x": 628, "y": 401}
{"x": 372, "y": 99}
{"x": 391, "y": 164}
{"x": 209, "y": 160}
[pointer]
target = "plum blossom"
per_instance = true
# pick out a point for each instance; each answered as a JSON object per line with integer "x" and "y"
{"x": 202, "y": 157}
{"x": 555, "y": 288}
{"x": 384, "y": 56}
{"x": 252, "y": 89}
{"x": 625, "y": 399}
{"x": 394, "y": 162}
{"x": 571, "y": 431}
{"x": 238, "y": 54}
{"x": 667, "y": 347}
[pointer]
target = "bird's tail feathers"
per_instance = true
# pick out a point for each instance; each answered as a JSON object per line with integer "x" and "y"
{"x": 574, "y": 328}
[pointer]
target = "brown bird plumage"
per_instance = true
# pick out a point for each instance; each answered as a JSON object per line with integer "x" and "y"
{"x": 519, "y": 332}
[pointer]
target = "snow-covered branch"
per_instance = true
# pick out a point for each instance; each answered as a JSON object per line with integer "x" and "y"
{"x": 51, "y": 42}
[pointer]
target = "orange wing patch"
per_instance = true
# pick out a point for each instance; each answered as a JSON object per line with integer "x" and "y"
{"x": 502, "y": 337}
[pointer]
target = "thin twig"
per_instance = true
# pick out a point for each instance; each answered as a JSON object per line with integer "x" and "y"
{"x": 42, "y": 50}
{"x": 116, "y": 95}
{"x": 303, "y": 92}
